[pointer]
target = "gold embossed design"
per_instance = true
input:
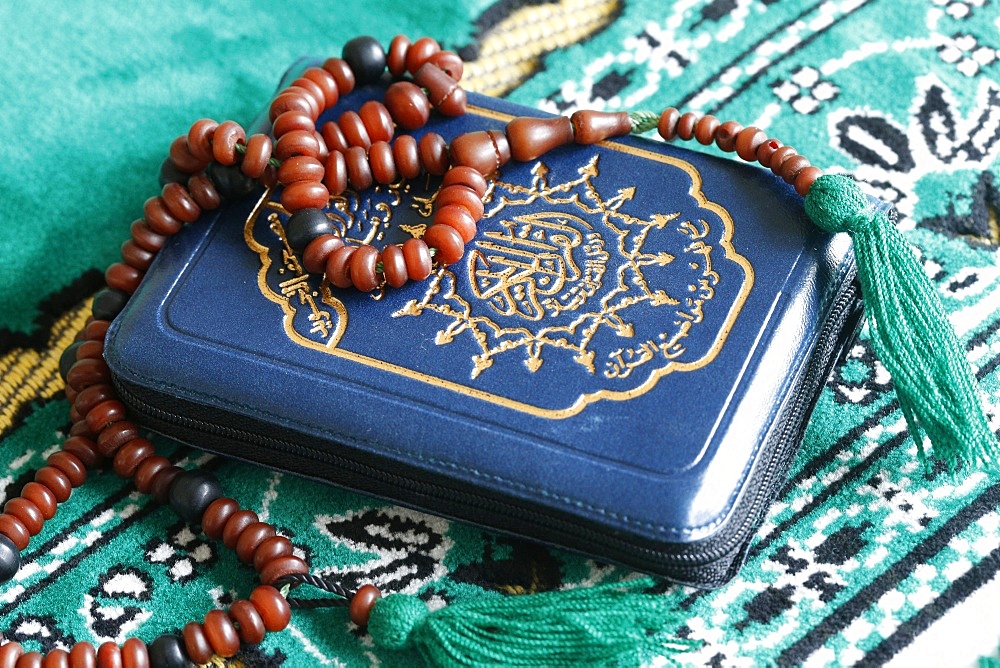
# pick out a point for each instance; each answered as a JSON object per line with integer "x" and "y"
{"x": 561, "y": 273}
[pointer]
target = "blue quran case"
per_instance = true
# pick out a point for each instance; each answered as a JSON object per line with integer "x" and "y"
{"x": 622, "y": 364}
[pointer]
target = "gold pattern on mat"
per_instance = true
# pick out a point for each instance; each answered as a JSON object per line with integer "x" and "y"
{"x": 30, "y": 375}
{"x": 509, "y": 51}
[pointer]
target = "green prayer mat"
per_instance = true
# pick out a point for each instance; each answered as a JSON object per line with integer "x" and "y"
{"x": 866, "y": 558}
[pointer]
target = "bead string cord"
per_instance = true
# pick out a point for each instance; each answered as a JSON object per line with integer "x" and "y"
{"x": 215, "y": 162}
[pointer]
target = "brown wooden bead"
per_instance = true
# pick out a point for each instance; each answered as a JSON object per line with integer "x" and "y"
{"x": 87, "y": 372}
{"x": 304, "y": 195}
{"x": 14, "y": 529}
{"x": 590, "y": 127}
{"x": 134, "y": 654}
{"x": 160, "y": 487}
{"x": 335, "y": 176}
{"x": 748, "y": 141}
{"x": 463, "y": 196}
{"x": 434, "y": 153}
{"x": 447, "y": 241}
{"x": 144, "y": 236}
{"x": 791, "y": 168}
{"x": 30, "y": 660}
{"x": 394, "y": 266}
{"x": 96, "y": 330}
{"x": 42, "y": 497}
{"x": 450, "y": 62}
{"x": 359, "y": 171}
{"x": 69, "y": 464}
{"x": 90, "y": 350}
{"x": 291, "y": 121}
{"x": 338, "y": 267}
{"x": 84, "y": 449}
{"x": 182, "y": 157}
{"x": 196, "y": 643}
{"x": 74, "y": 414}
{"x": 418, "y": 259}
{"x": 382, "y": 164}
{"x": 227, "y": 136}
{"x": 280, "y": 567}
{"x": 131, "y": 455}
{"x": 213, "y": 520}
{"x": 443, "y": 92}
{"x": 221, "y": 633}
{"x": 272, "y": 606}
{"x": 419, "y": 52}
{"x": 377, "y": 121}
{"x": 55, "y": 480}
{"x": 115, "y": 436}
{"x": 766, "y": 150}
{"x": 83, "y": 655}
{"x": 291, "y": 101}
{"x": 334, "y": 137}
{"x": 255, "y": 157}
{"x": 69, "y": 391}
{"x": 300, "y": 168}
{"x": 270, "y": 549}
{"x": 324, "y": 150}
{"x": 179, "y": 203}
{"x": 341, "y": 72}
{"x": 158, "y": 217}
{"x": 135, "y": 256}
{"x": 805, "y": 179}
{"x": 326, "y": 82}
{"x": 311, "y": 96}
{"x": 251, "y": 625}
{"x": 109, "y": 655}
{"x": 407, "y": 104}
{"x": 725, "y": 135}
{"x": 81, "y": 429}
{"x": 147, "y": 472}
{"x": 56, "y": 658}
{"x": 362, "y": 602}
{"x": 406, "y": 154}
{"x": 297, "y": 142}
{"x": 458, "y": 218}
{"x": 530, "y": 138}
{"x": 269, "y": 178}
{"x": 705, "y": 128}
{"x": 468, "y": 177}
{"x": 318, "y": 251}
{"x": 362, "y": 268}
{"x": 354, "y": 130}
{"x": 686, "y": 126}
{"x": 313, "y": 90}
{"x": 199, "y": 139}
{"x": 122, "y": 277}
{"x": 10, "y": 652}
{"x": 27, "y": 512}
{"x": 667, "y": 125}
{"x": 105, "y": 413}
{"x": 251, "y": 538}
{"x": 485, "y": 151}
{"x": 395, "y": 59}
{"x": 779, "y": 157}
{"x": 235, "y": 525}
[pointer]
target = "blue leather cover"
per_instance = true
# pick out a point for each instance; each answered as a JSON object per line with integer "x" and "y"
{"x": 618, "y": 364}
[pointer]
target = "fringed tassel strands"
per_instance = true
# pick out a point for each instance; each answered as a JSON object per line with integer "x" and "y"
{"x": 215, "y": 162}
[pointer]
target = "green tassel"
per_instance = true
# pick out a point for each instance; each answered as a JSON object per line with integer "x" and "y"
{"x": 589, "y": 626}
{"x": 910, "y": 332}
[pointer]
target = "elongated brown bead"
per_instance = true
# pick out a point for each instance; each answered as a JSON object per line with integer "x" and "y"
{"x": 666, "y": 127}
{"x": 725, "y": 135}
{"x": 418, "y": 259}
{"x": 443, "y": 92}
{"x": 341, "y": 72}
{"x": 377, "y": 121}
{"x": 394, "y": 266}
{"x": 359, "y": 171}
{"x": 251, "y": 624}
{"x": 406, "y": 154}
{"x": 199, "y": 139}
{"x": 748, "y": 141}
{"x": 434, "y": 153}
{"x": 704, "y": 129}
{"x": 291, "y": 121}
{"x": 395, "y": 58}
{"x": 383, "y": 165}
{"x": 27, "y": 512}
{"x": 272, "y": 606}
{"x": 407, "y": 105}
{"x": 354, "y": 130}
{"x": 450, "y": 62}
{"x": 485, "y": 150}
{"x": 418, "y": 53}
{"x": 335, "y": 177}
{"x": 327, "y": 84}
{"x": 338, "y": 267}
{"x": 203, "y": 190}
{"x": 530, "y": 138}
{"x": 255, "y": 158}
{"x": 196, "y": 643}
{"x": 318, "y": 250}
{"x": 447, "y": 241}
{"x": 55, "y": 480}
{"x": 179, "y": 203}
{"x": 590, "y": 127}
{"x": 147, "y": 471}
{"x": 14, "y": 529}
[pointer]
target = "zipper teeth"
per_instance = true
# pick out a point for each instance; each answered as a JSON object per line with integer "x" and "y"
{"x": 721, "y": 545}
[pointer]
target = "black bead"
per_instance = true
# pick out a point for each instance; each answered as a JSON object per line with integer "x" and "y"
{"x": 170, "y": 174}
{"x": 305, "y": 225}
{"x": 68, "y": 358}
{"x": 192, "y": 492}
{"x": 367, "y": 59}
{"x": 230, "y": 181}
{"x": 108, "y": 303}
{"x": 10, "y": 558}
{"x": 167, "y": 651}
